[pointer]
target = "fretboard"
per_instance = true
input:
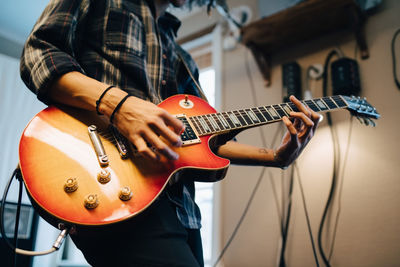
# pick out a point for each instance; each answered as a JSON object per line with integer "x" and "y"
{"x": 245, "y": 118}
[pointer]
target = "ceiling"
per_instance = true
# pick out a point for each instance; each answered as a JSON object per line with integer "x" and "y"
{"x": 17, "y": 18}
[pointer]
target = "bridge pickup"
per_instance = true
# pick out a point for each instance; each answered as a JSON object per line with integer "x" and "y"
{"x": 189, "y": 136}
{"x": 98, "y": 146}
{"x": 120, "y": 143}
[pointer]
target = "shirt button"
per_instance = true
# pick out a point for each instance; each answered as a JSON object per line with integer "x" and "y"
{"x": 163, "y": 82}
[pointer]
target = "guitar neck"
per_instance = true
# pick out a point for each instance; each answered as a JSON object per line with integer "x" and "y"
{"x": 246, "y": 118}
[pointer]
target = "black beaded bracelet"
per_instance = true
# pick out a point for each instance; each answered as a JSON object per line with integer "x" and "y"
{"x": 118, "y": 107}
{"x": 101, "y": 97}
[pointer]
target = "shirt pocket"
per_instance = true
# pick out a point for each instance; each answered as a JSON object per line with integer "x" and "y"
{"x": 124, "y": 32}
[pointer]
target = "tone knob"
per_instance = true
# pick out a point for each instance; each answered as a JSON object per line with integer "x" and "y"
{"x": 71, "y": 185}
{"x": 104, "y": 176}
{"x": 125, "y": 193}
{"x": 91, "y": 201}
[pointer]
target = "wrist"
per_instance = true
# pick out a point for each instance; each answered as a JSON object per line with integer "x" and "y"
{"x": 110, "y": 101}
{"x": 278, "y": 161}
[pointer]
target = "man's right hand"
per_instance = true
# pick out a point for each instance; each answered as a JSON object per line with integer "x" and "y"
{"x": 143, "y": 123}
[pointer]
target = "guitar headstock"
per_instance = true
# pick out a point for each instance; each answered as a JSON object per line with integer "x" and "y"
{"x": 363, "y": 110}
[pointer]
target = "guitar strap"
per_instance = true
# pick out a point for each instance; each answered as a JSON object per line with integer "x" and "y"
{"x": 201, "y": 92}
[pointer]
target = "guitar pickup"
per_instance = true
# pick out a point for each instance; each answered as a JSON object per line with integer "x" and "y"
{"x": 189, "y": 136}
{"x": 120, "y": 143}
{"x": 98, "y": 146}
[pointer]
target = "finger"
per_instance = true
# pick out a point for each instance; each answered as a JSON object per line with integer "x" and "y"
{"x": 160, "y": 128}
{"x": 173, "y": 122}
{"x": 291, "y": 129}
{"x": 300, "y": 106}
{"x": 143, "y": 149}
{"x": 160, "y": 146}
{"x": 303, "y": 117}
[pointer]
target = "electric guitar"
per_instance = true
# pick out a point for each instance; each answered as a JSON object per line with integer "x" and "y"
{"x": 79, "y": 170}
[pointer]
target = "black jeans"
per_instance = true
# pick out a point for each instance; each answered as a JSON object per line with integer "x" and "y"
{"x": 154, "y": 238}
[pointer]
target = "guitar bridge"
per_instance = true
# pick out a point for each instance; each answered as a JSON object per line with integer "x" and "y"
{"x": 189, "y": 136}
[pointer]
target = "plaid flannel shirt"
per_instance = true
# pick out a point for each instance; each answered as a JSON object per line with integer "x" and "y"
{"x": 116, "y": 42}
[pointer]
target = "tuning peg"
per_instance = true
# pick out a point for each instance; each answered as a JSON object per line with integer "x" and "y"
{"x": 372, "y": 122}
{"x": 359, "y": 119}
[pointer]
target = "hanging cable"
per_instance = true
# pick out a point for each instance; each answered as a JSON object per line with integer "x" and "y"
{"x": 306, "y": 214}
{"x": 396, "y": 81}
{"x": 335, "y": 158}
{"x": 340, "y": 190}
{"x": 256, "y": 186}
{"x": 56, "y": 245}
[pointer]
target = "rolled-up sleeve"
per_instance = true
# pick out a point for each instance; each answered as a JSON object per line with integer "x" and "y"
{"x": 50, "y": 50}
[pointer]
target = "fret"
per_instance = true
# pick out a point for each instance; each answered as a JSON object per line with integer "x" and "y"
{"x": 273, "y": 113}
{"x": 245, "y": 117}
{"x": 266, "y": 114}
{"x": 294, "y": 107}
{"x": 206, "y": 128}
{"x": 321, "y": 105}
{"x": 217, "y": 120}
{"x": 239, "y": 117}
{"x": 286, "y": 107}
{"x": 312, "y": 105}
{"x": 196, "y": 119}
{"x": 252, "y": 116}
{"x": 259, "y": 114}
{"x": 206, "y": 119}
{"x": 223, "y": 120}
{"x": 229, "y": 120}
{"x": 194, "y": 123}
{"x": 213, "y": 123}
{"x": 234, "y": 119}
{"x": 280, "y": 111}
{"x": 339, "y": 101}
{"x": 328, "y": 101}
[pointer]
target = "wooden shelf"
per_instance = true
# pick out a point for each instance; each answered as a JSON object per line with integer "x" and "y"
{"x": 302, "y": 22}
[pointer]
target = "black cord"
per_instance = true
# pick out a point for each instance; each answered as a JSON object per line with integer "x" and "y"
{"x": 253, "y": 193}
{"x": 307, "y": 216}
{"x": 19, "y": 178}
{"x": 2, "y": 208}
{"x": 397, "y": 82}
{"x": 341, "y": 189}
{"x": 285, "y": 226}
{"x": 228, "y": 243}
{"x": 335, "y": 163}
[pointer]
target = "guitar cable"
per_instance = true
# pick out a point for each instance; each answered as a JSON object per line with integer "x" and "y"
{"x": 396, "y": 81}
{"x": 257, "y": 185}
{"x": 56, "y": 245}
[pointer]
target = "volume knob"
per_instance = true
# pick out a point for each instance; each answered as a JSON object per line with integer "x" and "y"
{"x": 125, "y": 193}
{"x": 104, "y": 176}
{"x": 91, "y": 201}
{"x": 70, "y": 185}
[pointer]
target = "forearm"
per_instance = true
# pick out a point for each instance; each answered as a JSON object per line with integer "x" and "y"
{"x": 78, "y": 90}
{"x": 243, "y": 154}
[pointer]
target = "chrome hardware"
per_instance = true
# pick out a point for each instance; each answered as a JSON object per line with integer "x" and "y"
{"x": 120, "y": 143}
{"x": 98, "y": 146}
{"x": 104, "y": 176}
{"x": 71, "y": 185}
{"x": 91, "y": 201}
{"x": 125, "y": 193}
